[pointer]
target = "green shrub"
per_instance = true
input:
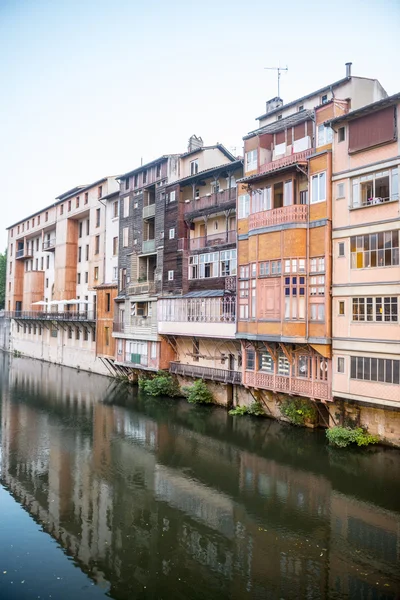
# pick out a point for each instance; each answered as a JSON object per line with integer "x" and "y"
{"x": 343, "y": 436}
{"x": 198, "y": 393}
{"x": 254, "y": 409}
{"x": 163, "y": 384}
{"x": 299, "y": 411}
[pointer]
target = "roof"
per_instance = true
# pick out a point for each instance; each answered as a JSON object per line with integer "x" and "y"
{"x": 208, "y": 172}
{"x": 81, "y": 188}
{"x": 38, "y": 212}
{"x": 204, "y": 294}
{"x": 326, "y": 88}
{"x": 105, "y": 286}
{"x": 220, "y": 147}
{"x": 146, "y": 166}
{"x": 369, "y": 108}
{"x": 290, "y": 121}
{"x": 270, "y": 173}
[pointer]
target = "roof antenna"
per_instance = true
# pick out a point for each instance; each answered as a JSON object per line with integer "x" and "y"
{"x": 279, "y": 69}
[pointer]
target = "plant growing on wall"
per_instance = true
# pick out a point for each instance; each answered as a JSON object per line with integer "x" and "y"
{"x": 254, "y": 409}
{"x": 163, "y": 384}
{"x": 344, "y": 436}
{"x": 299, "y": 411}
{"x": 198, "y": 393}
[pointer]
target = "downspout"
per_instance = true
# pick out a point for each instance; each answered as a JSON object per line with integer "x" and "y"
{"x": 104, "y": 270}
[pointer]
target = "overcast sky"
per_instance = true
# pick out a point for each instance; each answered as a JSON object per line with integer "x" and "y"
{"x": 90, "y": 87}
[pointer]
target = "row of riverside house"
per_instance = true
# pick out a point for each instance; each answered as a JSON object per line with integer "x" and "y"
{"x": 270, "y": 276}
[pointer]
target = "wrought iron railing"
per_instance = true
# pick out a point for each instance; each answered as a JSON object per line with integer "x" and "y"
{"x": 37, "y": 315}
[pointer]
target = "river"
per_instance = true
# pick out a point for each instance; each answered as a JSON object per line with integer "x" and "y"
{"x": 107, "y": 494}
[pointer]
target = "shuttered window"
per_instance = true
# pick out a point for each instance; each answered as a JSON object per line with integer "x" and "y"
{"x": 372, "y": 130}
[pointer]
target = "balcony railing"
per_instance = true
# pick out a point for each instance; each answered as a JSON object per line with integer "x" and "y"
{"x": 197, "y": 310}
{"x": 296, "y": 213}
{"x": 213, "y": 239}
{"x": 148, "y": 246}
{"x": 223, "y": 375}
{"x": 138, "y": 360}
{"x": 19, "y": 253}
{"x": 373, "y": 201}
{"x": 291, "y": 385}
{"x": 49, "y": 244}
{"x": 118, "y": 327}
{"x": 36, "y": 315}
{"x": 210, "y": 200}
{"x": 136, "y": 288}
{"x": 149, "y": 211}
{"x": 286, "y": 161}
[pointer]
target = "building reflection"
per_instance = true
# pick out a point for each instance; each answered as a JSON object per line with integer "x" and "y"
{"x": 146, "y": 496}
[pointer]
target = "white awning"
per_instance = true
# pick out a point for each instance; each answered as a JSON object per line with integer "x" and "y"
{"x": 40, "y": 303}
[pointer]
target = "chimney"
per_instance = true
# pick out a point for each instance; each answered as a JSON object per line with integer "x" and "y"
{"x": 194, "y": 143}
{"x": 348, "y": 69}
{"x": 273, "y": 104}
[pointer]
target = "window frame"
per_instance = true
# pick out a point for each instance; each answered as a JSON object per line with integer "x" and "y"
{"x": 318, "y": 176}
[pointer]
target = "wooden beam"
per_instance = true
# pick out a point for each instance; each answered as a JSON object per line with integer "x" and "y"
{"x": 285, "y": 352}
{"x": 272, "y": 352}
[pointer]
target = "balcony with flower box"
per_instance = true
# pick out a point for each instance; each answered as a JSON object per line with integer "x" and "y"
{"x": 198, "y": 316}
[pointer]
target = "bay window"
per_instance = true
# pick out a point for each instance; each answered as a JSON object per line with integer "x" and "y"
{"x": 295, "y": 304}
{"x": 324, "y": 135}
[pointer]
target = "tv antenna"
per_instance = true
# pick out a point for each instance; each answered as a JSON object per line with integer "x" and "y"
{"x": 279, "y": 69}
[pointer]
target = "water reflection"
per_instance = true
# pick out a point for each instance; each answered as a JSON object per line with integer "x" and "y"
{"x": 159, "y": 499}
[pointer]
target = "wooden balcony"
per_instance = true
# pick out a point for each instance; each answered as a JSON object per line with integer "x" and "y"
{"x": 286, "y": 161}
{"x": 213, "y": 317}
{"x": 296, "y": 213}
{"x": 145, "y": 287}
{"x": 210, "y": 201}
{"x": 199, "y": 372}
{"x": 212, "y": 240}
{"x": 149, "y": 211}
{"x": 316, "y": 389}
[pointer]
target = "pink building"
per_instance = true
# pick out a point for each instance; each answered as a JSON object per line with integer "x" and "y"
{"x": 366, "y": 271}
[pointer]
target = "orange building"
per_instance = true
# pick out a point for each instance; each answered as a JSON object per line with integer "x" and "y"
{"x": 284, "y": 242}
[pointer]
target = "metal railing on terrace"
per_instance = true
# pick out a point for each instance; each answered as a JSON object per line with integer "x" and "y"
{"x": 361, "y": 203}
{"x": 210, "y": 200}
{"x": 197, "y": 310}
{"x": 49, "y": 244}
{"x": 223, "y": 375}
{"x": 36, "y": 315}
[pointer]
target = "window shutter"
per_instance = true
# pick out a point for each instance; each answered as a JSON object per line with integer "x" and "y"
{"x": 371, "y": 130}
{"x": 134, "y": 267}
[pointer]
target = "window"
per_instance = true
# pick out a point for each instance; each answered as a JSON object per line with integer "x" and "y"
{"x": 100, "y": 191}
{"x": 115, "y": 273}
{"x": 97, "y": 217}
{"x": 324, "y": 135}
{"x": 36, "y": 264}
{"x": 300, "y": 108}
{"x": 86, "y": 200}
{"x": 42, "y": 263}
{"x": 294, "y": 290}
{"x": 341, "y": 134}
{"x": 80, "y": 229}
{"x": 93, "y": 335}
{"x": 87, "y": 226}
{"x": 97, "y": 244}
{"x": 69, "y": 205}
{"x": 172, "y": 233}
{"x": 87, "y": 252}
{"x": 158, "y": 171}
{"x": 115, "y": 246}
{"x": 46, "y": 216}
{"x": 125, "y": 236}
{"x": 126, "y": 207}
{"x": 12, "y": 233}
{"x": 317, "y": 312}
{"x": 61, "y": 209}
{"x": 374, "y": 369}
{"x": 172, "y": 196}
{"x": 77, "y": 333}
{"x": 27, "y": 224}
{"x": 96, "y": 273}
{"x": 375, "y": 188}
{"x": 115, "y": 209}
{"x": 243, "y": 206}
{"x": 136, "y": 180}
{"x": 340, "y": 190}
{"x": 250, "y": 360}
{"x": 279, "y": 117}
{"x": 170, "y": 275}
{"x": 77, "y": 202}
{"x": 107, "y": 336}
{"x": 85, "y": 334}
{"x": 317, "y": 265}
{"x": 108, "y": 302}
{"x": 318, "y": 188}
{"x": 294, "y": 265}
{"x": 317, "y": 286}
{"x": 47, "y": 262}
{"x": 194, "y": 166}
{"x": 79, "y": 253}
{"x": 324, "y": 99}
{"x": 251, "y": 160}
{"x": 78, "y": 280}
{"x": 70, "y": 333}
{"x": 261, "y": 200}
{"x": 341, "y": 308}
{"x": 244, "y": 289}
{"x": 123, "y": 279}
{"x": 375, "y": 250}
{"x": 86, "y": 276}
{"x": 144, "y": 177}
{"x": 153, "y": 350}
{"x": 266, "y": 362}
{"x": 228, "y": 263}
{"x": 340, "y": 364}
{"x": 341, "y": 249}
{"x": 379, "y": 309}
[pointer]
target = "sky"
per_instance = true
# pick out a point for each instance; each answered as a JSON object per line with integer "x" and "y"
{"x": 90, "y": 88}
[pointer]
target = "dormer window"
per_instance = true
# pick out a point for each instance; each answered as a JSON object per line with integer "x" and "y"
{"x": 324, "y": 99}
{"x": 300, "y": 108}
{"x": 279, "y": 117}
